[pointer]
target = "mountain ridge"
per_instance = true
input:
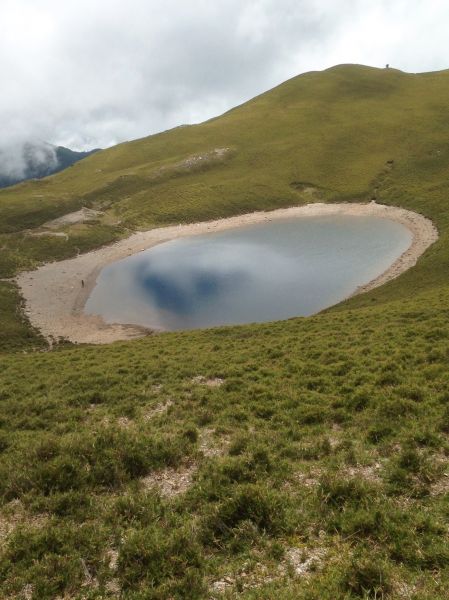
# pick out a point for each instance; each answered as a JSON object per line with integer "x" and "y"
{"x": 41, "y": 160}
{"x": 298, "y": 459}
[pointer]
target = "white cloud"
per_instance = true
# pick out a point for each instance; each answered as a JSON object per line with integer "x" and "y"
{"x": 87, "y": 74}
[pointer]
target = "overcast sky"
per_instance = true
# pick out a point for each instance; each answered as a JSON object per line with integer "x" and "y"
{"x": 88, "y": 73}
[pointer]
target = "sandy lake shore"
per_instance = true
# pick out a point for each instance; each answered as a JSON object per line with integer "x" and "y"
{"x": 55, "y": 299}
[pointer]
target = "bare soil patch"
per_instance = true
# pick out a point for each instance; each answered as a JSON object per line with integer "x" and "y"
{"x": 84, "y": 215}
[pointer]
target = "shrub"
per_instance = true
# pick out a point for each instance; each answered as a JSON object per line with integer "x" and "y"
{"x": 262, "y": 507}
{"x": 163, "y": 562}
{"x": 360, "y": 399}
{"x": 444, "y": 421}
{"x": 137, "y": 509}
{"x": 238, "y": 446}
{"x": 379, "y": 431}
{"x": 336, "y": 491}
{"x": 368, "y": 576}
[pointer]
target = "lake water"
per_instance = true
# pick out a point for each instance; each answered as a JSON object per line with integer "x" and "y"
{"x": 264, "y": 272}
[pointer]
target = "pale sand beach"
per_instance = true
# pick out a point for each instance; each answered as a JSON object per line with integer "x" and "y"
{"x": 55, "y": 298}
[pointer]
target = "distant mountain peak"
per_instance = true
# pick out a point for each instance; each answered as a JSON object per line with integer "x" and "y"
{"x": 35, "y": 159}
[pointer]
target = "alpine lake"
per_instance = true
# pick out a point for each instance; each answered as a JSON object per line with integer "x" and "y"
{"x": 265, "y": 272}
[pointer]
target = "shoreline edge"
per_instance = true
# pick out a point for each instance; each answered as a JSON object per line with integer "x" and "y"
{"x": 54, "y": 299}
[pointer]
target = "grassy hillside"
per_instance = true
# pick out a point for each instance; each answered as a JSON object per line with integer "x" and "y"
{"x": 301, "y": 459}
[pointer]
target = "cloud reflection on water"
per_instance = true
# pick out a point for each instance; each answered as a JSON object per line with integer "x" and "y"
{"x": 180, "y": 284}
{"x": 259, "y": 273}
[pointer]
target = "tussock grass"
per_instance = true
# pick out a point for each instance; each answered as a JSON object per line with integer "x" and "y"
{"x": 331, "y": 476}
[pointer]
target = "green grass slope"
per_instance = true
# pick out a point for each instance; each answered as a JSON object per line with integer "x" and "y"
{"x": 303, "y": 459}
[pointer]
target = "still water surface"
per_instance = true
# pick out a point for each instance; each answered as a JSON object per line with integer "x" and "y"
{"x": 264, "y": 272}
